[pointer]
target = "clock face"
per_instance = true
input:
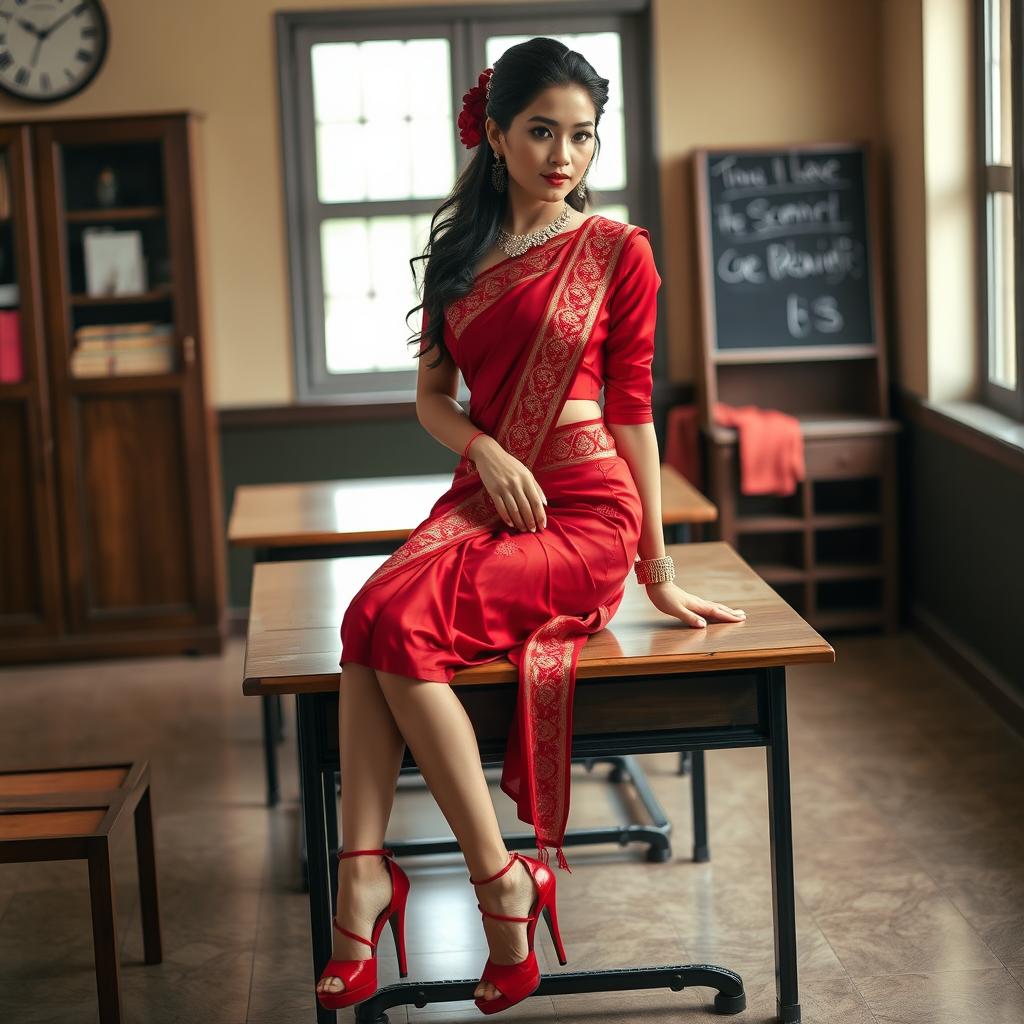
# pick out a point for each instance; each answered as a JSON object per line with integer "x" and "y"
{"x": 50, "y": 49}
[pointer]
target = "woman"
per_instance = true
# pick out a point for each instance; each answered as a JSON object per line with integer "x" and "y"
{"x": 528, "y": 552}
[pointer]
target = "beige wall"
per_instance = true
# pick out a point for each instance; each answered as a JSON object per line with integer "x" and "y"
{"x": 903, "y": 113}
{"x": 726, "y": 71}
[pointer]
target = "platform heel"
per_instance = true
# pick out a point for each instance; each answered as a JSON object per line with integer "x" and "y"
{"x": 360, "y": 976}
{"x": 517, "y": 981}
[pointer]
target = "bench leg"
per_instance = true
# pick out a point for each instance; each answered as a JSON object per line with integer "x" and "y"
{"x": 699, "y": 791}
{"x": 314, "y": 816}
{"x": 104, "y": 932}
{"x": 149, "y": 901}
{"x": 270, "y": 751}
{"x": 780, "y": 831}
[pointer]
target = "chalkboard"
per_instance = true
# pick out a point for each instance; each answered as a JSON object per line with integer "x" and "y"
{"x": 786, "y": 248}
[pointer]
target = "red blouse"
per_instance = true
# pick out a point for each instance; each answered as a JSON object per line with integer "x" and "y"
{"x": 625, "y": 330}
{"x": 621, "y": 349}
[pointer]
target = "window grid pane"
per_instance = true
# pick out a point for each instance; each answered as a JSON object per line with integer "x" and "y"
{"x": 1002, "y": 330}
{"x": 1002, "y": 350}
{"x": 383, "y": 120}
{"x": 368, "y": 289}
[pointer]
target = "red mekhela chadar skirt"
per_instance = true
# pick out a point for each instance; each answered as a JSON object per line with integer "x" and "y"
{"x": 496, "y": 592}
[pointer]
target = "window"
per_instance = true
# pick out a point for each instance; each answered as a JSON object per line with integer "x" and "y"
{"x": 999, "y": 89}
{"x": 371, "y": 148}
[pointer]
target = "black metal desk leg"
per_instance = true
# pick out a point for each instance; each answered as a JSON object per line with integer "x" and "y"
{"x": 780, "y": 831}
{"x": 315, "y": 823}
{"x": 331, "y": 809}
{"x": 279, "y": 718}
{"x": 270, "y": 751}
{"x": 698, "y": 789}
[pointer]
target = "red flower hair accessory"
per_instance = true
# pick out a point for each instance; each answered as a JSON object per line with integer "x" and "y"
{"x": 474, "y": 107}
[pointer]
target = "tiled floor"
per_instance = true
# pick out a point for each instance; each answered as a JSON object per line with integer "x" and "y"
{"x": 909, "y": 860}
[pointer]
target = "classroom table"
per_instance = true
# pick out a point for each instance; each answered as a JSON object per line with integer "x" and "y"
{"x": 645, "y": 684}
{"x": 323, "y": 519}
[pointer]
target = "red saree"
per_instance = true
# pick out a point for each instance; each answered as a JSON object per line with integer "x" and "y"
{"x": 464, "y": 589}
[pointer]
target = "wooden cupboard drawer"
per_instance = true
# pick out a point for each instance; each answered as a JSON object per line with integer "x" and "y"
{"x": 830, "y": 460}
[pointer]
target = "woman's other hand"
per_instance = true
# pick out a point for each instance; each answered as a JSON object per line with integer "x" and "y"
{"x": 692, "y": 610}
{"x": 513, "y": 488}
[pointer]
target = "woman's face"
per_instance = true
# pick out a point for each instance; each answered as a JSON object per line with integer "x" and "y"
{"x": 554, "y": 135}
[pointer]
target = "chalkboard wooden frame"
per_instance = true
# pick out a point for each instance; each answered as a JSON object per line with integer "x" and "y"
{"x": 776, "y": 389}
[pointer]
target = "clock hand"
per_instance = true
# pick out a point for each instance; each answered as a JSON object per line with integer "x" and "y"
{"x": 56, "y": 25}
{"x": 35, "y": 52}
{"x": 29, "y": 27}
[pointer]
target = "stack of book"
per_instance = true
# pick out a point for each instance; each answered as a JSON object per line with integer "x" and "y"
{"x": 10, "y": 347}
{"x": 123, "y": 349}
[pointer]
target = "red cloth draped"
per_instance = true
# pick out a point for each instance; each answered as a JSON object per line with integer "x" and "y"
{"x": 464, "y": 589}
{"x": 771, "y": 446}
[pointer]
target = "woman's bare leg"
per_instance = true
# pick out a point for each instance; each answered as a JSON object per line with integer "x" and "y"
{"x": 371, "y": 756}
{"x": 440, "y": 735}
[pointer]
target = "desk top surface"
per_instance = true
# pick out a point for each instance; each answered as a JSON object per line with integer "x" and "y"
{"x": 294, "y": 641}
{"x": 385, "y": 508}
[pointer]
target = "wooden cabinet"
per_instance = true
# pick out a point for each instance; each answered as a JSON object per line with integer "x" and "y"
{"x": 110, "y": 525}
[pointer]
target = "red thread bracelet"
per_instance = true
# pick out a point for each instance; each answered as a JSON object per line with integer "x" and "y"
{"x": 470, "y": 441}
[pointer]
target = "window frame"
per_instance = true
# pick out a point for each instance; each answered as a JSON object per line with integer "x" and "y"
{"x": 467, "y": 29}
{"x": 993, "y": 178}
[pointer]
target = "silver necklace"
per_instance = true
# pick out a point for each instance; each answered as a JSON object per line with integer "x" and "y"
{"x": 516, "y": 245}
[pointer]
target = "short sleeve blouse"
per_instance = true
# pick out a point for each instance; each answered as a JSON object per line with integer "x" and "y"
{"x": 621, "y": 360}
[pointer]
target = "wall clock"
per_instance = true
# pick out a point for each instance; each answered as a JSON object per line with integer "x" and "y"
{"x": 50, "y": 49}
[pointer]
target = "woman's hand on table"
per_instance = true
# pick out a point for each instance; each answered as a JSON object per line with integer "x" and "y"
{"x": 689, "y": 608}
{"x": 513, "y": 488}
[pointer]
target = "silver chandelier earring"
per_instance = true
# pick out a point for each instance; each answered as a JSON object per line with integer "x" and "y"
{"x": 581, "y": 188}
{"x": 499, "y": 174}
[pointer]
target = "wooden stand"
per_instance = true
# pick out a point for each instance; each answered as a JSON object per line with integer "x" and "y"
{"x": 810, "y": 346}
{"x": 112, "y": 531}
{"x": 830, "y": 549}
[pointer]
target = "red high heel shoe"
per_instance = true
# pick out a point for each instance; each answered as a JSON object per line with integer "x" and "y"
{"x": 360, "y": 976}
{"x": 516, "y": 981}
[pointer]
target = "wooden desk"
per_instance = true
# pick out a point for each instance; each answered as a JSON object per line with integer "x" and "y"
{"x": 271, "y": 517}
{"x": 326, "y": 519}
{"x": 645, "y": 684}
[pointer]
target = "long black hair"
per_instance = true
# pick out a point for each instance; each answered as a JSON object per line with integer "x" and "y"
{"x": 465, "y": 226}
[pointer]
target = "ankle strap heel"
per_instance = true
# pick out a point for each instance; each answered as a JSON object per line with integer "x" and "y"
{"x": 512, "y": 859}
{"x": 356, "y": 853}
{"x": 515, "y": 982}
{"x": 360, "y": 976}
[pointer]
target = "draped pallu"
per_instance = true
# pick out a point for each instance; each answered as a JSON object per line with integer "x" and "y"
{"x": 464, "y": 589}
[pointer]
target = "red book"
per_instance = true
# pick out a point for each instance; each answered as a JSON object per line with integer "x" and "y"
{"x": 10, "y": 347}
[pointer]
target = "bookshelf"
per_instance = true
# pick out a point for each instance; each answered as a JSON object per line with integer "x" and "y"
{"x": 114, "y": 459}
{"x": 793, "y": 320}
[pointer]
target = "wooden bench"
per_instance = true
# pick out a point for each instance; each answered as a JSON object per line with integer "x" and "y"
{"x": 72, "y": 814}
{"x": 325, "y": 519}
{"x": 645, "y": 684}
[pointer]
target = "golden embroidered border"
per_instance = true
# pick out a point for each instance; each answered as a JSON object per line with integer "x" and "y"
{"x": 490, "y": 287}
{"x": 474, "y": 514}
{"x": 564, "y": 331}
{"x": 548, "y": 657}
{"x": 582, "y": 444}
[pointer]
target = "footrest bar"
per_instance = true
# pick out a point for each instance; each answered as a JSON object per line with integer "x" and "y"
{"x": 730, "y": 997}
